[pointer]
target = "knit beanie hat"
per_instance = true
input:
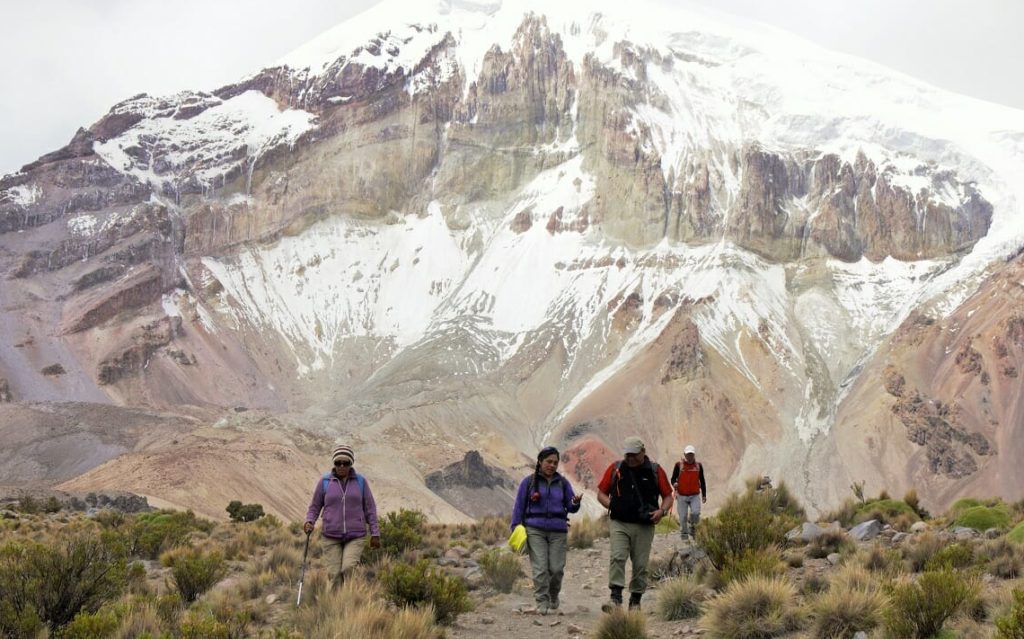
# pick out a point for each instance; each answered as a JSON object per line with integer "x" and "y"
{"x": 343, "y": 453}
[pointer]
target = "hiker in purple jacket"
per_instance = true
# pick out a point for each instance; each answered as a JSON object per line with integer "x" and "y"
{"x": 543, "y": 504}
{"x": 345, "y": 499}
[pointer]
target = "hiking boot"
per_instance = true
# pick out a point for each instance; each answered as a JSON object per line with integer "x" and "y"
{"x": 634, "y": 600}
{"x": 614, "y": 602}
{"x": 554, "y": 603}
{"x": 543, "y": 608}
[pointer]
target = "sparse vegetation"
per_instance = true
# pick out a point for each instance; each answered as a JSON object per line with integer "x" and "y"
{"x": 410, "y": 592}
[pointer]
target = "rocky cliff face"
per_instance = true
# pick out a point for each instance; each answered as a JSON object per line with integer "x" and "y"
{"x": 492, "y": 227}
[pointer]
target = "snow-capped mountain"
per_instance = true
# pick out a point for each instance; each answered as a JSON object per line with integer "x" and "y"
{"x": 492, "y": 225}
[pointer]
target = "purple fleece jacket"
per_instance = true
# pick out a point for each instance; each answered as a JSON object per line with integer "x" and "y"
{"x": 553, "y": 505}
{"x": 346, "y": 513}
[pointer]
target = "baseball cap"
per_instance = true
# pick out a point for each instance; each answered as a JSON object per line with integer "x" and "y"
{"x": 632, "y": 445}
{"x": 690, "y": 449}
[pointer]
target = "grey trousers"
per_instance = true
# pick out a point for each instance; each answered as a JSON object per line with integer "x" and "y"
{"x": 547, "y": 558}
{"x": 633, "y": 542}
{"x": 693, "y": 502}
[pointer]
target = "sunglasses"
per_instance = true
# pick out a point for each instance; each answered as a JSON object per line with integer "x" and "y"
{"x": 342, "y": 463}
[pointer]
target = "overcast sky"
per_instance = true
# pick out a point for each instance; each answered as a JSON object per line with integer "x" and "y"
{"x": 66, "y": 62}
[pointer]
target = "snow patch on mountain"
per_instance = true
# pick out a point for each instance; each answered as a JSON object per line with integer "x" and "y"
{"x": 160, "y": 149}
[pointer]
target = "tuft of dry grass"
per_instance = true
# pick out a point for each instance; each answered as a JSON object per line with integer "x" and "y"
{"x": 854, "y": 577}
{"x": 584, "y": 531}
{"x": 680, "y": 598}
{"x": 921, "y": 549}
{"x": 754, "y": 608}
{"x": 841, "y": 612}
{"x": 828, "y": 542}
{"x": 621, "y": 624}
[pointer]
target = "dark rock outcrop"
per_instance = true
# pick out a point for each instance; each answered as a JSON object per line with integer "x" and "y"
{"x": 474, "y": 487}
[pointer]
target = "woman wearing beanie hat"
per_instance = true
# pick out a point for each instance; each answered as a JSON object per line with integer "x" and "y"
{"x": 344, "y": 498}
{"x": 543, "y": 504}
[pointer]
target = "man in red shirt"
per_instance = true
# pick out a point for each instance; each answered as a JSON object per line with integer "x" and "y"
{"x": 691, "y": 491}
{"x": 631, "y": 490}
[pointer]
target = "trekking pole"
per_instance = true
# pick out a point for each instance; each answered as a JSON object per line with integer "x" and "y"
{"x": 302, "y": 576}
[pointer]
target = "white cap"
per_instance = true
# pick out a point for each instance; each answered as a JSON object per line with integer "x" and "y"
{"x": 689, "y": 449}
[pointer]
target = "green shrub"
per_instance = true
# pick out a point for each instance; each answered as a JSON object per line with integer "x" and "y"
{"x": 1011, "y": 625}
{"x": 960, "y": 505}
{"x": 621, "y": 625}
{"x": 583, "y": 532}
{"x": 755, "y": 608}
{"x": 96, "y": 625}
{"x": 680, "y": 598}
{"x": 886, "y": 511}
{"x": 744, "y": 522}
{"x": 842, "y": 612}
{"x": 920, "y": 609}
{"x": 501, "y": 569}
{"x": 193, "y": 571}
{"x": 983, "y": 517}
{"x": 152, "y": 533}
{"x": 1016, "y": 536}
{"x": 29, "y": 505}
{"x": 400, "y": 531}
{"x": 238, "y": 511}
{"x": 201, "y": 624}
{"x": 52, "y": 583}
{"x": 763, "y": 562}
{"x": 419, "y": 585}
{"x": 958, "y": 555}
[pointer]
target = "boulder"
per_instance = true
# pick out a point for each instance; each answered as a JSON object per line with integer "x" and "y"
{"x": 867, "y": 530}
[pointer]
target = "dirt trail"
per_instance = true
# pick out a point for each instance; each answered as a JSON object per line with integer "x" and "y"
{"x": 584, "y": 589}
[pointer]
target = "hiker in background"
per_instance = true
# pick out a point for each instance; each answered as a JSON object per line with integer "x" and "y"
{"x": 691, "y": 491}
{"x": 630, "y": 490}
{"x": 349, "y": 512}
{"x": 543, "y": 504}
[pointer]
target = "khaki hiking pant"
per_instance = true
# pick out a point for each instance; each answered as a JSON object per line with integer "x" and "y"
{"x": 633, "y": 542}
{"x": 341, "y": 557}
{"x": 547, "y": 558}
{"x": 693, "y": 503}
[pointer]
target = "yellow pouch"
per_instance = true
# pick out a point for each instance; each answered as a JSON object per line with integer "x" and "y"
{"x": 517, "y": 540}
